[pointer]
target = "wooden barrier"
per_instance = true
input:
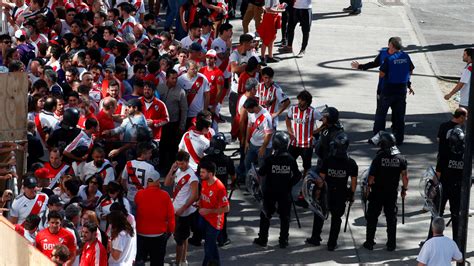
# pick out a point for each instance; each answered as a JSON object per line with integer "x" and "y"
{"x": 13, "y": 106}
{"x": 16, "y": 250}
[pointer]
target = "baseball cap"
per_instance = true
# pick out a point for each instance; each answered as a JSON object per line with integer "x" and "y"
{"x": 43, "y": 173}
{"x": 110, "y": 68}
{"x": 134, "y": 102}
{"x": 55, "y": 200}
{"x": 19, "y": 33}
{"x": 211, "y": 53}
{"x": 155, "y": 43}
{"x": 197, "y": 47}
{"x": 30, "y": 182}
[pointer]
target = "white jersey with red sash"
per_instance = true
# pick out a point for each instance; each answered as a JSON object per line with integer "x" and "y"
{"x": 106, "y": 171}
{"x": 260, "y": 124}
{"x": 303, "y": 123}
{"x": 57, "y": 172}
{"x": 82, "y": 139}
{"x": 137, "y": 174}
{"x": 127, "y": 26}
{"x": 45, "y": 123}
{"x": 182, "y": 189}
{"x": 235, "y": 131}
{"x": 23, "y": 206}
{"x": 195, "y": 88}
{"x": 187, "y": 41}
{"x": 103, "y": 209}
{"x": 194, "y": 143}
{"x": 221, "y": 47}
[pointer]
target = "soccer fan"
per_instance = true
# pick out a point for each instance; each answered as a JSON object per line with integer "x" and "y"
{"x": 196, "y": 141}
{"x": 154, "y": 111}
{"x": 115, "y": 193}
{"x": 98, "y": 166}
{"x": 93, "y": 252}
{"x": 215, "y": 77}
{"x": 185, "y": 194}
{"x": 123, "y": 246}
{"x": 271, "y": 96}
{"x": 54, "y": 235}
{"x": 56, "y": 166}
{"x": 29, "y": 202}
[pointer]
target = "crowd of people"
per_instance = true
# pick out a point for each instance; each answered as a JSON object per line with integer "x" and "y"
{"x": 120, "y": 109}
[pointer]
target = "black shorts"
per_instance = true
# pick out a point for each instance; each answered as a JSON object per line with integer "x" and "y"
{"x": 305, "y": 153}
{"x": 182, "y": 230}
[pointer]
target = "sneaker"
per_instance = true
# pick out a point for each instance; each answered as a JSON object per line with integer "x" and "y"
{"x": 224, "y": 243}
{"x": 369, "y": 246}
{"x": 301, "y": 54}
{"x": 347, "y": 9}
{"x": 312, "y": 241}
{"x": 285, "y": 49}
{"x": 272, "y": 60}
{"x": 260, "y": 242}
{"x": 284, "y": 244}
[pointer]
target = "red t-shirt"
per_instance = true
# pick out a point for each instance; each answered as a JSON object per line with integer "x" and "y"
{"x": 93, "y": 254}
{"x": 155, "y": 212}
{"x": 215, "y": 78}
{"x": 105, "y": 121}
{"x": 83, "y": 118}
{"x": 46, "y": 241}
{"x": 214, "y": 197}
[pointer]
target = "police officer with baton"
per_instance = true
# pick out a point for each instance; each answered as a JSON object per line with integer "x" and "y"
{"x": 384, "y": 177}
{"x": 335, "y": 171}
{"x": 280, "y": 173}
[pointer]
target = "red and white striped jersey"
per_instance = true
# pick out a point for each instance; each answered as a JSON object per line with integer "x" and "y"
{"x": 93, "y": 254}
{"x": 143, "y": 172}
{"x": 195, "y": 89}
{"x": 270, "y": 98}
{"x": 303, "y": 123}
{"x": 194, "y": 143}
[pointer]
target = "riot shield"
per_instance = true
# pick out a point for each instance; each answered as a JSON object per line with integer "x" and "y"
{"x": 253, "y": 182}
{"x": 364, "y": 189}
{"x": 431, "y": 190}
{"x": 316, "y": 197}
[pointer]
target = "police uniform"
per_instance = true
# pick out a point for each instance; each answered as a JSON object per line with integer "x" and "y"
{"x": 327, "y": 135}
{"x": 336, "y": 172}
{"x": 397, "y": 69}
{"x": 386, "y": 170}
{"x": 224, "y": 168}
{"x": 280, "y": 173}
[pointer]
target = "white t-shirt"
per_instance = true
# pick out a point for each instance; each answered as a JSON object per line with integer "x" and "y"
{"x": 196, "y": 87}
{"x": 103, "y": 209}
{"x": 128, "y": 248}
{"x": 466, "y": 79}
{"x": 439, "y": 250}
{"x": 199, "y": 143}
{"x": 144, "y": 172}
{"x": 184, "y": 190}
{"x": 83, "y": 193}
{"x": 262, "y": 127}
{"x": 186, "y": 42}
{"x": 235, "y": 56}
{"x": 303, "y": 4}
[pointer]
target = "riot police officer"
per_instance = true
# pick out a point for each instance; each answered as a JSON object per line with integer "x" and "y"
{"x": 335, "y": 170}
{"x": 384, "y": 177}
{"x": 67, "y": 131}
{"x": 328, "y": 130}
{"x": 279, "y": 172}
{"x": 224, "y": 168}
{"x": 449, "y": 169}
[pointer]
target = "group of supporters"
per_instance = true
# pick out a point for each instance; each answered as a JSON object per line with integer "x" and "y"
{"x": 114, "y": 103}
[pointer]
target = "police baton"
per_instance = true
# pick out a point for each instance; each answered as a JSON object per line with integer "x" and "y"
{"x": 347, "y": 216}
{"x": 449, "y": 222}
{"x": 296, "y": 213}
{"x": 403, "y": 210}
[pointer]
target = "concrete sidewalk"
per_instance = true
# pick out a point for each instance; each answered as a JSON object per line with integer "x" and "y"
{"x": 336, "y": 40}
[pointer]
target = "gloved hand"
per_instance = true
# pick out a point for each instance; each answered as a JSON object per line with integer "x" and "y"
{"x": 350, "y": 195}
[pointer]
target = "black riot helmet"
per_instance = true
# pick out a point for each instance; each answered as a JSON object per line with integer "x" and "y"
{"x": 217, "y": 145}
{"x": 70, "y": 118}
{"x": 456, "y": 138}
{"x": 338, "y": 146}
{"x": 331, "y": 114}
{"x": 281, "y": 141}
{"x": 387, "y": 140}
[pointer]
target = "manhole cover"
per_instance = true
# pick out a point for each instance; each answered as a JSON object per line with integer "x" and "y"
{"x": 391, "y": 2}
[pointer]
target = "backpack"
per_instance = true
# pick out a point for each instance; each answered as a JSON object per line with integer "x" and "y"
{"x": 141, "y": 133}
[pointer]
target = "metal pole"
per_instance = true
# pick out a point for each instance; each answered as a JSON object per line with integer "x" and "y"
{"x": 466, "y": 180}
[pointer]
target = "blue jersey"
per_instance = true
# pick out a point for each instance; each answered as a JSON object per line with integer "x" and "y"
{"x": 397, "y": 69}
{"x": 383, "y": 54}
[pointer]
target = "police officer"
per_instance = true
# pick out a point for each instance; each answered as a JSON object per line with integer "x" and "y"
{"x": 67, "y": 131}
{"x": 279, "y": 172}
{"x": 395, "y": 72}
{"x": 335, "y": 170}
{"x": 384, "y": 177}
{"x": 224, "y": 168}
{"x": 449, "y": 169}
{"x": 458, "y": 120}
{"x": 328, "y": 130}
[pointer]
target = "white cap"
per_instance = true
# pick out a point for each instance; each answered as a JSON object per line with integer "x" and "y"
{"x": 19, "y": 33}
{"x": 211, "y": 53}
